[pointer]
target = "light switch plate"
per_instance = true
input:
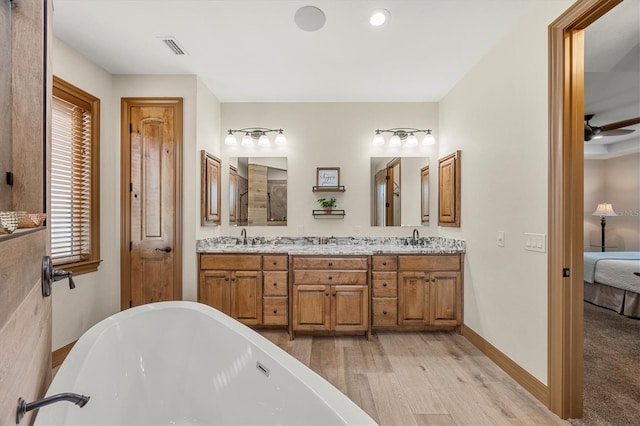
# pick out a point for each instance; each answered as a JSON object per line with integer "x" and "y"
{"x": 535, "y": 242}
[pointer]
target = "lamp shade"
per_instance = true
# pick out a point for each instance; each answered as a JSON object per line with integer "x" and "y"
{"x": 378, "y": 139}
{"x": 263, "y": 140}
{"x": 246, "y": 140}
{"x": 604, "y": 209}
{"x": 412, "y": 140}
{"x": 281, "y": 139}
{"x": 428, "y": 139}
{"x": 230, "y": 139}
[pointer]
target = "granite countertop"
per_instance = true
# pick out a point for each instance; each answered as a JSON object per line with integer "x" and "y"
{"x": 331, "y": 246}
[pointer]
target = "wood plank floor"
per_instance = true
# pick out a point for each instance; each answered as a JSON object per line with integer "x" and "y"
{"x": 418, "y": 378}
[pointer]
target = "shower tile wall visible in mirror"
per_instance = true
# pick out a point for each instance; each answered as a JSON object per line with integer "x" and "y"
{"x": 258, "y": 191}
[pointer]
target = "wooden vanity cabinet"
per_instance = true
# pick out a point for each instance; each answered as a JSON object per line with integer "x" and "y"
{"x": 430, "y": 290}
{"x": 330, "y": 295}
{"x": 232, "y": 283}
{"x": 275, "y": 290}
{"x": 384, "y": 291}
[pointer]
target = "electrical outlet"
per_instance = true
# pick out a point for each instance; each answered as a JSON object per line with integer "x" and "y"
{"x": 535, "y": 242}
{"x": 500, "y": 238}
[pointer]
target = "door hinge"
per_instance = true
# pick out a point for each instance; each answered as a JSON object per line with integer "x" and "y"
{"x": 130, "y": 245}
{"x": 387, "y": 205}
{"x": 130, "y": 128}
{"x": 130, "y": 304}
{"x": 387, "y": 177}
{"x": 130, "y": 186}
{"x": 566, "y": 272}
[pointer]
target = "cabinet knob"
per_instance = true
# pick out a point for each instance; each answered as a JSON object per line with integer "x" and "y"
{"x": 433, "y": 280}
{"x": 226, "y": 279}
{"x": 384, "y": 284}
{"x": 275, "y": 263}
{"x": 326, "y": 294}
{"x": 384, "y": 312}
{"x": 330, "y": 277}
{"x": 330, "y": 263}
{"x": 275, "y": 284}
{"x": 384, "y": 263}
{"x": 275, "y": 311}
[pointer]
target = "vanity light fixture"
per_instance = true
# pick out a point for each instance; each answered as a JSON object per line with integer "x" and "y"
{"x": 400, "y": 134}
{"x": 258, "y": 134}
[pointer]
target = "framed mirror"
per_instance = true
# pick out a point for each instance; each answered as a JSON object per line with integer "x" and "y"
{"x": 258, "y": 191}
{"x": 400, "y": 191}
{"x": 5, "y": 105}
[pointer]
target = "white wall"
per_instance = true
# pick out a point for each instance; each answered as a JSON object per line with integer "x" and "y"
{"x": 497, "y": 116}
{"x": 615, "y": 181}
{"x": 97, "y": 295}
{"x": 328, "y": 135}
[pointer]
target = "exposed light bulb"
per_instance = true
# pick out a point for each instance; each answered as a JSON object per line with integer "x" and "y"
{"x": 281, "y": 139}
{"x": 378, "y": 139}
{"x": 263, "y": 140}
{"x": 246, "y": 140}
{"x": 412, "y": 140}
{"x": 379, "y": 17}
{"x": 230, "y": 139}
{"x": 395, "y": 140}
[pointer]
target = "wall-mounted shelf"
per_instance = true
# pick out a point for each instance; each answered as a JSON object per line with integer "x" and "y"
{"x": 328, "y": 214}
{"x": 340, "y": 188}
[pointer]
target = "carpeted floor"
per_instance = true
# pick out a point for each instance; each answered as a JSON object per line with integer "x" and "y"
{"x": 611, "y": 368}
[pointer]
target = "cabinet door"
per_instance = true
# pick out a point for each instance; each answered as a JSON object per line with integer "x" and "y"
{"x": 444, "y": 289}
{"x": 311, "y": 307}
{"x": 214, "y": 290}
{"x": 246, "y": 296}
{"x": 350, "y": 310}
{"x": 449, "y": 190}
{"x": 413, "y": 298}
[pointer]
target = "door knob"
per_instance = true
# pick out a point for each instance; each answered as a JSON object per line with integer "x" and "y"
{"x": 166, "y": 249}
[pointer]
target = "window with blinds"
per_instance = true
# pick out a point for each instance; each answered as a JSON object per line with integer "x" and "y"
{"x": 74, "y": 211}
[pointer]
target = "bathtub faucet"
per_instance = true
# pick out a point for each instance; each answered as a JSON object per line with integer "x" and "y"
{"x": 24, "y": 407}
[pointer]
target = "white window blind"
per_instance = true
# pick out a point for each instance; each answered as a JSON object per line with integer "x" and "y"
{"x": 70, "y": 218}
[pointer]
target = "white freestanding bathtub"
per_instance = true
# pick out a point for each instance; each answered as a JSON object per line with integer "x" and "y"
{"x": 187, "y": 363}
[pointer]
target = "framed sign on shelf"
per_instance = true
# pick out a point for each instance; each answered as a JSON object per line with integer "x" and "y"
{"x": 328, "y": 177}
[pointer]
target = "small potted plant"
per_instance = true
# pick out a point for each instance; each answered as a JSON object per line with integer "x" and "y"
{"x": 327, "y": 204}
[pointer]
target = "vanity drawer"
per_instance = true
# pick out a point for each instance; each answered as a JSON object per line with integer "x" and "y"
{"x": 385, "y": 263}
{"x": 385, "y": 312}
{"x": 274, "y": 283}
{"x": 429, "y": 262}
{"x": 385, "y": 284}
{"x": 274, "y": 311}
{"x": 330, "y": 277}
{"x": 275, "y": 262}
{"x": 231, "y": 261}
{"x": 330, "y": 263}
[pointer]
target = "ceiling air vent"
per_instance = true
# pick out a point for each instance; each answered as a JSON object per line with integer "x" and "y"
{"x": 173, "y": 44}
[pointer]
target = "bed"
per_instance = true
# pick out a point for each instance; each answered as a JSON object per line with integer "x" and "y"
{"x": 612, "y": 280}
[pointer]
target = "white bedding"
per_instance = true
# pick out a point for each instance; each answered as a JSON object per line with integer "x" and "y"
{"x": 618, "y": 273}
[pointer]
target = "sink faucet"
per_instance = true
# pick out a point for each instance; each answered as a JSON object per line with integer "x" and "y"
{"x": 243, "y": 234}
{"x": 416, "y": 236}
{"x": 24, "y": 407}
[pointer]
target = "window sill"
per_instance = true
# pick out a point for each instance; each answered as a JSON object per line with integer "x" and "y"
{"x": 79, "y": 268}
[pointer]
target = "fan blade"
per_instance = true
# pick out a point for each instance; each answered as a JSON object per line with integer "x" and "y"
{"x": 620, "y": 124}
{"x": 617, "y": 132}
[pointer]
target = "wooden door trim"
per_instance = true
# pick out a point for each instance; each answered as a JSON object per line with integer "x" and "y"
{"x": 566, "y": 193}
{"x": 125, "y": 204}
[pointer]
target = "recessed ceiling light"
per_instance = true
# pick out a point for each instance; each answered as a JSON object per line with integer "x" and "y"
{"x": 379, "y": 17}
{"x": 310, "y": 18}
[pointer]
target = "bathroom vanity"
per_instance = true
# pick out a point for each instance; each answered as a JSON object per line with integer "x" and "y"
{"x": 351, "y": 287}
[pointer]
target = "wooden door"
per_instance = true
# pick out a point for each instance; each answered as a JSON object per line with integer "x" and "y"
{"x": 413, "y": 298}
{"x": 151, "y": 192}
{"x": 350, "y": 308}
{"x": 380, "y": 201}
{"x": 311, "y": 307}
{"x": 214, "y": 290}
{"x": 444, "y": 297}
{"x": 246, "y": 296}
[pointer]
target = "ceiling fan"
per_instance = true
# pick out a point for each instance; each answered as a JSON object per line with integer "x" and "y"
{"x": 611, "y": 129}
